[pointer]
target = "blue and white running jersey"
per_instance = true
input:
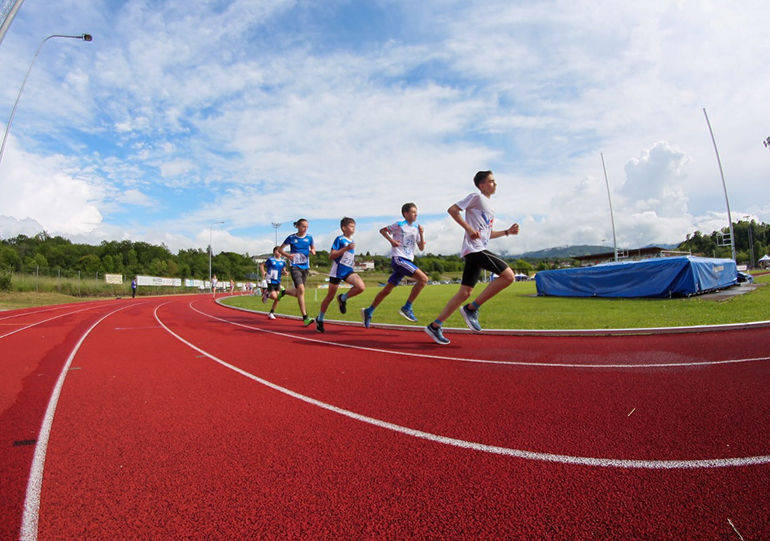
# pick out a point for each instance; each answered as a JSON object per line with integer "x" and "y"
{"x": 343, "y": 265}
{"x": 300, "y": 250}
{"x": 274, "y": 268}
{"x": 407, "y": 235}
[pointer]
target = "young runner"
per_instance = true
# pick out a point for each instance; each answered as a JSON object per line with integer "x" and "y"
{"x": 479, "y": 217}
{"x": 301, "y": 246}
{"x": 214, "y": 285}
{"x": 272, "y": 270}
{"x": 342, "y": 258}
{"x": 403, "y": 236}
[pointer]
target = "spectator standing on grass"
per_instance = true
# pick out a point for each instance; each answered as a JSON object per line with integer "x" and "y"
{"x": 403, "y": 237}
{"x": 478, "y": 221}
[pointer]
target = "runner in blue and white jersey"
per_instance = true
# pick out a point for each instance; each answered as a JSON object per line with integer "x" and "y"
{"x": 342, "y": 255}
{"x": 404, "y": 237}
{"x": 273, "y": 270}
{"x": 300, "y": 247}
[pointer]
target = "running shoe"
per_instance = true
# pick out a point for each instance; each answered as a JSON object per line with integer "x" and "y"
{"x": 307, "y": 321}
{"x": 366, "y": 313}
{"x": 343, "y": 304}
{"x": 319, "y": 325}
{"x": 407, "y": 313}
{"x": 437, "y": 335}
{"x": 271, "y": 316}
{"x": 471, "y": 318}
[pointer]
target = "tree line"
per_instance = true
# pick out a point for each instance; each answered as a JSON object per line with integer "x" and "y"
{"x": 59, "y": 256}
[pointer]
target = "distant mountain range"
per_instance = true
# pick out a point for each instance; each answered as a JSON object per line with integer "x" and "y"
{"x": 565, "y": 252}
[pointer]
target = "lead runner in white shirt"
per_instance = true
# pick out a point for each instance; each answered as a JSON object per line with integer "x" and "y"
{"x": 479, "y": 218}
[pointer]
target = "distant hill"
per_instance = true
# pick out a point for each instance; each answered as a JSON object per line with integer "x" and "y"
{"x": 565, "y": 252}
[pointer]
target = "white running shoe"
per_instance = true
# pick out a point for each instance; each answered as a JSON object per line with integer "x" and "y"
{"x": 271, "y": 316}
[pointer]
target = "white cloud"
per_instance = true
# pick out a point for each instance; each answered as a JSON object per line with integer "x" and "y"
{"x": 187, "y": 98}
{"x": 136, "y": 197}
{"x": 47, "y": 190}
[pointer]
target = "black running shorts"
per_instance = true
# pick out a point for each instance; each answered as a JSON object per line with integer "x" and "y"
{"x": 299, "y": 276}
{"x": 476, "y": 261}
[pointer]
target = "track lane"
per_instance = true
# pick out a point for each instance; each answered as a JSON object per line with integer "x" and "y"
{"x": 546, "y": 410}
{"x": 178, "y": 446}
{"x": 31, "y": 364}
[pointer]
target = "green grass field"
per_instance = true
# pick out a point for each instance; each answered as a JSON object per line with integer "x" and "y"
{"x": 518, "y": 307}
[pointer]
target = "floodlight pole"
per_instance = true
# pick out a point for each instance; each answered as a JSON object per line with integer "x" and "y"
{"x": 84, "y": 37}
{"x": 612, "y": 214}
{"x": 210, "y": 247}
{"x": 276, "y": 225}
{"x": 724, "y": 186}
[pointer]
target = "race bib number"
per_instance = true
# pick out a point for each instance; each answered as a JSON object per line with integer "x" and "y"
{"x": 299, "y": 259}
{"x": 347, "y": 259}
{"x": 272, "y": 274}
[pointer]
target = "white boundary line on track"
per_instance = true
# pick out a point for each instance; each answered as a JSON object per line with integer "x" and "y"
{"x": 50, "y": 319}
{"x": 538, "y": 332}
{"x": 29, "y": 521}
{"x": 517, "y": 453}
{"x": 487, "y": 361}
{"x": 33, "y": 312}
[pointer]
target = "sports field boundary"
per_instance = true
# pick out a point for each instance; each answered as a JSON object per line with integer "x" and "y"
{"x": 533, "y": 332}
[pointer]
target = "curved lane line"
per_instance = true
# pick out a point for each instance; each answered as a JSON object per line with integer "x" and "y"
{"x": 33, "y": 312}
{"x": 50, "y": 319}
{"x": 487, "y": 361}
{"x": 29, "y": 521}
{"x": 494, "y": 449}
{"x": 539, "y": 332}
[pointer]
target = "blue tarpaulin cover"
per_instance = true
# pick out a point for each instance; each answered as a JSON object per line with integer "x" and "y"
{"x": 658, "y": 277}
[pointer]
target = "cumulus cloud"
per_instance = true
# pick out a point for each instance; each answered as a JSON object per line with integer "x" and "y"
{"x": 221, "y": 112}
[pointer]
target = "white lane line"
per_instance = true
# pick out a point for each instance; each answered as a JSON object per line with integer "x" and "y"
{"x": 486, "y": 361}
{"x": 33, "y": 312}
{"x": 625, "y": 331}
{"x": 518, "y": 453}
{"x": 50, "y": 319}
{"x": 29, "y": 521}
{"x": 63, "y": 307}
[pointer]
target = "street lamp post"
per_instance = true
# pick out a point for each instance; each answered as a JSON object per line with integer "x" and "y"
{"x": 210, "y": 247}
{"x": 84, "y": 37}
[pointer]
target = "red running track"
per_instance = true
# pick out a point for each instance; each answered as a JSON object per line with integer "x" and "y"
{"x": 178, "y": 417}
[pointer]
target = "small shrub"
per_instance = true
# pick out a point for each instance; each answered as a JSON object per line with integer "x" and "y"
{"x": 5, "y": 281}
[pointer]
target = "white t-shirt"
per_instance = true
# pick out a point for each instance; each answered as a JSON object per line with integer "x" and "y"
{"x": 480, "y": 215}
{"x": 407, "y": 235}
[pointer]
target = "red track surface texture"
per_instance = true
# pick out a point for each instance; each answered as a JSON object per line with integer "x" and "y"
{"x": 177, "y": 417}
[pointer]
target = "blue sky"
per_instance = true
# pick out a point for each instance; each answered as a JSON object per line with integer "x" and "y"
{"x": 181, "y": 114}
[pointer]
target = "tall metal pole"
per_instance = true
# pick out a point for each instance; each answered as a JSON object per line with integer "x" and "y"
{"x": 9, "y": 18}
{"x": 276, "y": 225}
{"x": 724, "y": 186}
{"x": 612, "y": 214}
{"x": 211, "y": 249}
{"x": 84, "y": 37}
